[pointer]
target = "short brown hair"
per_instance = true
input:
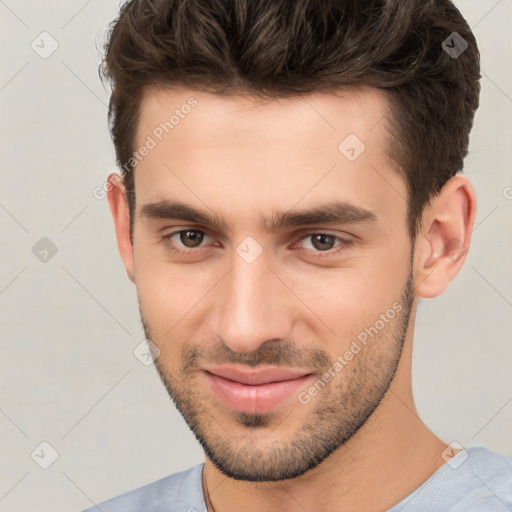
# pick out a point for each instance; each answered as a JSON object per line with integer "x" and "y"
{"x": 274, "y": 48}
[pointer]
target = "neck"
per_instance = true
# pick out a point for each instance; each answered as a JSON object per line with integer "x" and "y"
{"x": 391, "y": 455}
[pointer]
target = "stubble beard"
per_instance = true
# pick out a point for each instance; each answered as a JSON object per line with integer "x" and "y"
{"x": 334, "y": 416}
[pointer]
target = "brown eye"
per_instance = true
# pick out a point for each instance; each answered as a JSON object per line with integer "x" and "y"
{"x": 186, "y": 241}
{"x": 191, "y": 238}
{"x": 323, "y": 242}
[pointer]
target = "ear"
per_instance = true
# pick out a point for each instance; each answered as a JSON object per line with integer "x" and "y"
{"x": 116, "y": 194}
{"x": 445, "y": 235}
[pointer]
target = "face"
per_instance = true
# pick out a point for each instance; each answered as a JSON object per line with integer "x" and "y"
{"x": 273, "y": 269}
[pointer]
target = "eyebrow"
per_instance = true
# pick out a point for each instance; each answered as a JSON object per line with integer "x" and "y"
{"x": 332, "y": 212}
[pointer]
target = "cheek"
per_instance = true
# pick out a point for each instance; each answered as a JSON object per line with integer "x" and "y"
{"x": 350, "y": 298}
{"x": 171, "y": 295}
{"x": 168, "y": 292}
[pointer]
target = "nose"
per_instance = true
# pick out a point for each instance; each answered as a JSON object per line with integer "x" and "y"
{"x": 253, "y": 306}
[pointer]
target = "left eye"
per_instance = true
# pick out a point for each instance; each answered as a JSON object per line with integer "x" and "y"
{"x": 322, "y": 241}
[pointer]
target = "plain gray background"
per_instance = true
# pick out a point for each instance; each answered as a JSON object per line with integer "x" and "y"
{"x": 70, "y": 324}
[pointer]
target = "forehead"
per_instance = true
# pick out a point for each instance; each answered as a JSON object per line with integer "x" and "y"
{"x": 312, "y": 116}
{"x": 262, "y": 152}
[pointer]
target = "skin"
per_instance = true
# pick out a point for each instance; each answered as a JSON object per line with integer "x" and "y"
{"x": 360, "y": 442}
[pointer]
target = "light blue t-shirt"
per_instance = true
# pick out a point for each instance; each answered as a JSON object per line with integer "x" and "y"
{"x": 475, "y": 480}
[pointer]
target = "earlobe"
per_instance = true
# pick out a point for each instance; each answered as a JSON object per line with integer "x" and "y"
{"x": 445, "y": 236}
{"x": 119, "y": 209}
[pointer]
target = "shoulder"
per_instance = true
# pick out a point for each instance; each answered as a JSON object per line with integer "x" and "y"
{"x": 178, "y": 492}
{"x": 489, "y": 463}
{"x": 489, "y": 481}
{"x": 475, "y": 480}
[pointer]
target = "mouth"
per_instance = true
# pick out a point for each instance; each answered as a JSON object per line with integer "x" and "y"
{"x": 255, "y": 390}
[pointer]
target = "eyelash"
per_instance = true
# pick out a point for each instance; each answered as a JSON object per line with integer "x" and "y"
{"x": 329, "y": 252}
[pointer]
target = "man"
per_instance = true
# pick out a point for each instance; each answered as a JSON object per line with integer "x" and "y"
{"x": 291, "y": 186}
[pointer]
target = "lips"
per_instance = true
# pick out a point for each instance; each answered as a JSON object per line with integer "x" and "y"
{"x": 255, "y": 390}
{"x": 256, "y": 377}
